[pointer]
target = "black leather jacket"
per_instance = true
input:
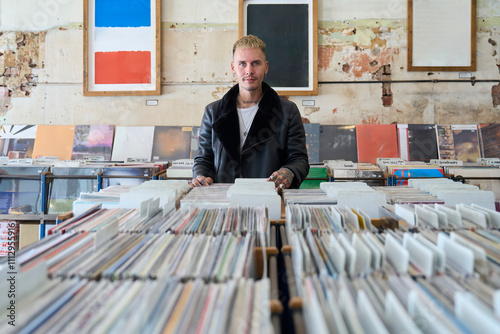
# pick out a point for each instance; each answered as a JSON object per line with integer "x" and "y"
{"x": 276, "y": 139}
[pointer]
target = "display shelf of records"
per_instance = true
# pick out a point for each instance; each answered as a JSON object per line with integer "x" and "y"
{"x": 342, "y": 171}
{"x": 211, "y": 263}
{"x": 347, "y": 272}
{"x": 37, "y": 194}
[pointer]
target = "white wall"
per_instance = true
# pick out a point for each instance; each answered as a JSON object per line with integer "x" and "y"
{"x": 196, "y": 54}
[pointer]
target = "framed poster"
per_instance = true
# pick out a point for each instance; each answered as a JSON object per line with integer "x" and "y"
{"x": 289, "y": 29}
{"x": 441, "y": 35}
{"x": 122, "y": 47}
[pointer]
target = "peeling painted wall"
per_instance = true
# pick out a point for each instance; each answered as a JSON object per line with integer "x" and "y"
{"x": 20, "y": 55}
{"x": 361, "y": 42}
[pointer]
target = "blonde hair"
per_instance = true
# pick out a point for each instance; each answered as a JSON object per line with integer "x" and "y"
{"x": 249, "y": 42}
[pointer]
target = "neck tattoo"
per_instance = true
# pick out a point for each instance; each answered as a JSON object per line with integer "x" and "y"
{"x": 247, "y": 102}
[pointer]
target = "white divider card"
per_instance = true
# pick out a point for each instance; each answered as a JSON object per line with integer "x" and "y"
{"x": 337, "y": 254}
{"x": 487, "y": 161}
{"x": 446, "y": 162}
{"x": 288, "y": 224}
{"x": 439, "y": 190}
{"x": 475, "y": 216}
{"x": 403, "y": 142}
{"x": 153, "y": 208}
{"x": 425, "y": 217}
{"x": 315, "y": 323}
{"x": 483, "y": 198}
{"x": 16, "y": 285}
{"x": 271, "y": 201}
{"x": 422, "y": 183}
{"x": 251, "y": 188}
{"x": 397, "y": 255}
{"x": 350, "y": 253}
{"x": 368, "y": 201}
{"x": 439, "y": 255}
{"x": 453, "y": 217}
{"x": 406, "y": 213}
{"x": 348, "y": 308}
{"x": 457, "y": 256}
{"x": 352, "y": 219}
{"x": 337, "y": 217}
{"x": 297, "y": 260}
{"x": 376, "y": 248}
{"x": 390, "y": 161}
{"x": 105, "y": 234}
{"x": 331, "y": 296}
{"x": 367, "y": 220}
{"x": 422, "y": 257}
{"x": 442, "y": 218}
{"x": 263, "y": 245}
{"x": 496, "y": 303}
{"x": 22, "y": 162}
{"x": 424, "y": 313}
{"x": 369, "y": 318}
{"x": 247, "y": 181}
{"x": 474, "y": 314}
{"x": 341, "y": 165}
{"x": 168, "y": 208}
{"x": 143, "y": 206}
{"x": 308, "y": 267}
{"x": 491, "y": 215}
{"x": 334, "y": 187}
{"x": 363, "y": 255}
{"x": 320, "y": 263}
{"x": 397, "y": 318}
{"x": 479, "y": 253}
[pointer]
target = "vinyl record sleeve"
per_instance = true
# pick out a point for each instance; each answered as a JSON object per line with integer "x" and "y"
{"x": 376, "y": 141}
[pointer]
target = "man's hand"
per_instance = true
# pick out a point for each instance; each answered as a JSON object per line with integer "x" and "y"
{"x": 201, "y": 181}
{"x": 282, "y": 178}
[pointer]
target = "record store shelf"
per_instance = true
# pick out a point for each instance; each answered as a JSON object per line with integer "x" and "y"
{"x": 39, "y": 213}
{"x": 290, "y": 305}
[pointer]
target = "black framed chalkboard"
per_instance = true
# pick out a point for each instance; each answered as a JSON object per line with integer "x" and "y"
{"x": 289, "y": 29}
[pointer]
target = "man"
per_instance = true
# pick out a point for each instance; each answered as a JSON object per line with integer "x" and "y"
{"x": 251, "y": 132}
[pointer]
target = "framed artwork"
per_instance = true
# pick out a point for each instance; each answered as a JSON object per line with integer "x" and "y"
{"x": 122, "y": 47}
{"x": 441, "y": 35}
{"x": 289, "y": 29}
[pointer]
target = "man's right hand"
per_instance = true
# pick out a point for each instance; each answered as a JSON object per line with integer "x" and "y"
{"x": 201, "y": 181}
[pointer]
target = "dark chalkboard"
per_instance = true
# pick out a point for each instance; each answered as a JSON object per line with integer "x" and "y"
{"x": 291, "y": 43}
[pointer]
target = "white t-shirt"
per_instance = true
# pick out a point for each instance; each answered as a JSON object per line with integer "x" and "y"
{"x": 245, "y": 117}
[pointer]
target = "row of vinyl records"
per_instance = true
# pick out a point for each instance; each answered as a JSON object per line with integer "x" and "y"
{"x": 394, "y": 281}
{"x": 23, "y": 186}
{"x": 358, "y": 143}
{"x": 349, "y": 277}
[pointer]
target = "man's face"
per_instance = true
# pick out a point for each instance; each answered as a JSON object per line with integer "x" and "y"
{"x": 249, "y": 66}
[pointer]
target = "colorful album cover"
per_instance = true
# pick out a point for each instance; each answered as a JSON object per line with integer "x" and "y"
{"x": 312, "y": 141}
{"x": 338, "y": 142}
{"x": 93, "y": 141}
{"x": 133, "y": 143}
{"x": 171, "y": 143}
{"x": 446, "y": 147}
{"x": 17, "y": 141}
{"x": 54, "y": 141}
{"x": 466, "y": 142}
{"x": 376, "y": 141}
{"x": 489, "y": 139}
{"x": 422, "y": 142}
